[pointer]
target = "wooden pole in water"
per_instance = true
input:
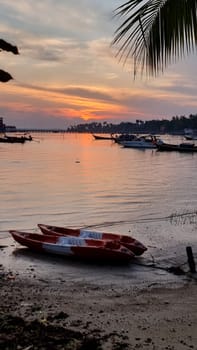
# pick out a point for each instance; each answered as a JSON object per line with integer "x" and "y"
{"x": 191, "y": 261}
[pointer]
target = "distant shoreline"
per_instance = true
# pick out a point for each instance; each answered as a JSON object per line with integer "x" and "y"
{"x": 61, "y": 131}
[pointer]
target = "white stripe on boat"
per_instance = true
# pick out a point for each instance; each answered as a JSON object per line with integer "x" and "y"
{"x": 91, "y": 234}
{"x": 71, "y": 241}
{"x": 57, "y": 249}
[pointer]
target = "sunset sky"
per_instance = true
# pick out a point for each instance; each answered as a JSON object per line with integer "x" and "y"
{"x": 67, "y": 72}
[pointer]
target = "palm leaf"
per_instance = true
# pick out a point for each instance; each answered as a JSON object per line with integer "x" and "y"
{"x": 156, "y": 32}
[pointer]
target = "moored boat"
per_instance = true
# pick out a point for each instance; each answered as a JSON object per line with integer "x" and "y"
{"x": 124, "y": 137}
{"x": 143, "y": 142}
{"x": 190, "y": 134}
{"x": 12, "y": 139}
{"x": 103, "y": 137}
{"x": 182, "y": 147}
{"x": 76, "y": 247}
{"x": 129, "y": 242}
{"x": 27, "y": 137}
{"x": 190, "y": 138}
{"x": 140, "y": 143}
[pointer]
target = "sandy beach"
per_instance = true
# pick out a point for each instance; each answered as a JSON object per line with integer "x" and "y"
{"x": 49, "y": 304}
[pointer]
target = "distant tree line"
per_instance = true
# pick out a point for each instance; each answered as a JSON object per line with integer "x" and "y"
{"x": 174, "y": 126}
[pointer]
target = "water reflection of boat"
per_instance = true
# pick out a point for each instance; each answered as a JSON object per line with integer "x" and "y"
{"x": 182, "y": 147}
{"x": 83, "y": 248}
{"x": 129, "y": 242}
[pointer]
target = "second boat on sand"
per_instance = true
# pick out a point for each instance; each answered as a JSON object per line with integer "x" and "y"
{"x": 129, "y": 242}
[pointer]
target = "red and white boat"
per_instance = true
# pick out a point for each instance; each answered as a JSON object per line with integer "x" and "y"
{"x": 86, "y": 249}
{"x": 130, "y": 243}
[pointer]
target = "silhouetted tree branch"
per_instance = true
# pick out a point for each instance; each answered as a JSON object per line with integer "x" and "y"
{"x": 4, "y": 45}
{"x": 4, "y": 76}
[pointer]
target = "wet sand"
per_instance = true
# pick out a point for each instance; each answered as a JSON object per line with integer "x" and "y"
{"x": 73, "y": 305}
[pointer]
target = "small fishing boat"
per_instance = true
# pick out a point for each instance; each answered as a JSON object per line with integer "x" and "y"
{"x": 12, "y": 139}
{"x": 103, "y": 137}
{"x": 27, "y": 137}
{"x": 190, "y": 137}
{"x": 144, "y": 142}
{"x": 182, "y": 147}
{"x": 76, "y": 247}
{"x": 124, "y": 137}
{"x": 190, "y": 134}
{"x": 130, "y": 243}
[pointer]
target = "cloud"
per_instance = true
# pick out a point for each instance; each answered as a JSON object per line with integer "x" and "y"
{"x": 67, "y": 68}
{"x": 77, "y": 91}
{"x": 49, "y": 49}
{"x": 36, "y": 120}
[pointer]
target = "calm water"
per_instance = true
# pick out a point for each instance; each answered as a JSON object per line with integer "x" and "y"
{"x": 73, "y": 180}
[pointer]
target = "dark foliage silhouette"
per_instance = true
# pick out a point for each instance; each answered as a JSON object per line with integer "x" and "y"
{"x": 5, "y": 46}
{"x": 4, "y": 76}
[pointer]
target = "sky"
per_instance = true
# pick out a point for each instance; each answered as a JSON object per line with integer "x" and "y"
{"x": 68, "y": 73}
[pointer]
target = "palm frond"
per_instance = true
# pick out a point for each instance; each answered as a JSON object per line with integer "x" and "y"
{"x": 156, "y": 32}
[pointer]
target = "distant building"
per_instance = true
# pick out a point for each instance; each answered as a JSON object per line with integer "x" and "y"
{"x": 2, "y": 125}
{"x": 6, "y": 128}
{"x": 10, "y": 128}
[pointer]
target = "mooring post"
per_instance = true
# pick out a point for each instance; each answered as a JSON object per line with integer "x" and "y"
{"x": 191, "y": 261}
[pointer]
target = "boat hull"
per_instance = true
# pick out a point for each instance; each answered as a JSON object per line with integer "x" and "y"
{"x": 183, "y": 147}
{"x": 80, "y": 248}
{"x": 99, "y": 137}
{"x": 12, "y": 140}
{"x": 142, "y": 142}
{"x": 138, "y": 144}
{"x": 130, "y": 243}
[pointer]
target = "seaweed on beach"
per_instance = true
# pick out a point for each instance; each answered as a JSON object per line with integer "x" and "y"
{"x": 17, "y": 333}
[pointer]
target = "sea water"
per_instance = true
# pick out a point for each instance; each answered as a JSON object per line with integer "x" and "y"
{"x": 75, "y": 181}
